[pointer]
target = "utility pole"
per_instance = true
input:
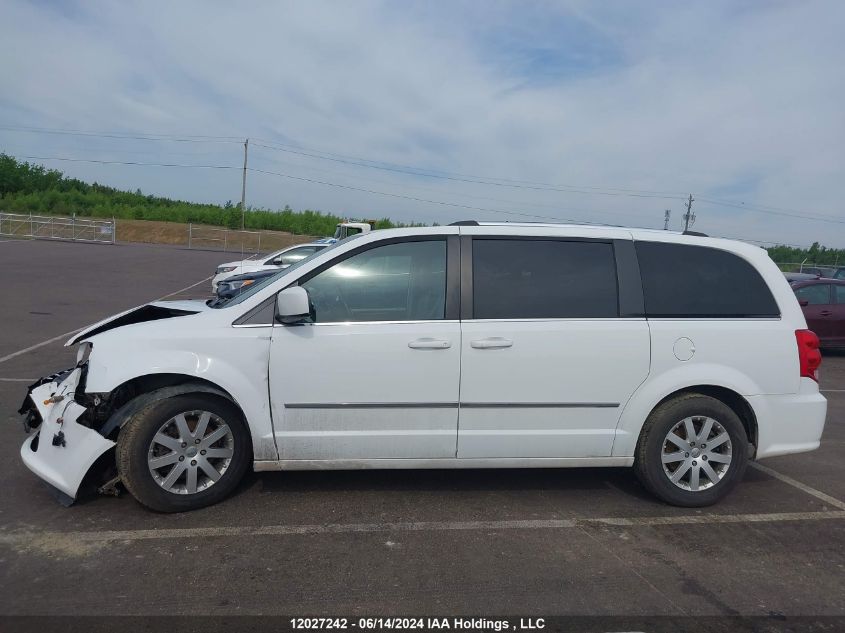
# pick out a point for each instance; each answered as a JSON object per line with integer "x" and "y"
{"x": 666, "y": 215}
{"x": 243, "y": 187}
{"x": 689, "y": 216}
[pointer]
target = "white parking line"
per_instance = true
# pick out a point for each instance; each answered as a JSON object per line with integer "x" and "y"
{"x": 3, "y": 359}
{"x": 185, "y": 288}
{"x": 37, "y": 345}
{"x": 23, "y": 538}
{"x": 818, "y": 494}
{"x": 17, "y": 379}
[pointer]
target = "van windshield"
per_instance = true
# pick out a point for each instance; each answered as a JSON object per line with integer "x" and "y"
{"x": 263, "y": 283}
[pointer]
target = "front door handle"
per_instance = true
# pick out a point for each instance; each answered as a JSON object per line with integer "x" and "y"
{"x": 494, "y": 342}
{"x": 825, "y": 313}
{"x": 429, "y": 343}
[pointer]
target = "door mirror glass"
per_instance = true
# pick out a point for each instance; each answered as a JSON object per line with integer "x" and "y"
{"x": 292, "y": 305}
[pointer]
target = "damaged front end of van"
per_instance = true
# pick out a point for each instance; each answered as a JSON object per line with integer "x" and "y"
{"x": 71, "y": 428}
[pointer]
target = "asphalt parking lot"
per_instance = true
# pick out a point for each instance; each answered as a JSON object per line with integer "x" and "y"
{"x": 543, "y": 542}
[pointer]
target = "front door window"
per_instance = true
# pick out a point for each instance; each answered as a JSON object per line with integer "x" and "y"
{"x": 405, "y": 281}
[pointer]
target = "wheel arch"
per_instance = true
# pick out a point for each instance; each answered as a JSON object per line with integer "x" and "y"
{"x": 730, "y": 398}
{"x": 137, "y": 393}
{"x": 652, "y": 394}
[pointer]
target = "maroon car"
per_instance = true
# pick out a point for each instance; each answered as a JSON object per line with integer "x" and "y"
{"x": 823, "y": 303}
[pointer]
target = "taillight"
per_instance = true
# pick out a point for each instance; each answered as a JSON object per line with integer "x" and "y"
{"x": 809, "y": 356}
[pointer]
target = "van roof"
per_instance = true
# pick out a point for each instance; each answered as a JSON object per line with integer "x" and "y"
{"x": 636, "y": 232}
{"x": 579, "y": 225}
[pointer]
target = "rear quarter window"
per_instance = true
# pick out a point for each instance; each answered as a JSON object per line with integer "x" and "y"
{"x": 684, "y": 281}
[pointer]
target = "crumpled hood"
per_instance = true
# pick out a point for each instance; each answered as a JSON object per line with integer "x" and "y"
{"x": 148, "y": 312}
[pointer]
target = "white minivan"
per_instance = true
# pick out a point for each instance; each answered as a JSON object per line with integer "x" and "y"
{"x": 463, "y": 346}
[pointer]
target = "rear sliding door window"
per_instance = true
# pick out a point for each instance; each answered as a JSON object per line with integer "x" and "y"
{"x": 695, "y": 281}
{"x": 543, "y": 279}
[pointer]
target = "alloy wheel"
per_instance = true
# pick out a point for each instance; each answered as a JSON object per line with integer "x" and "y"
{"x": 190, "y": 452}
{"x": 696, "y": 453}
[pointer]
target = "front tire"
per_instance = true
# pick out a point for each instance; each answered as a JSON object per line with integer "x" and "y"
{"x": 692, "y": 451}
{"x": 183, "y": 453}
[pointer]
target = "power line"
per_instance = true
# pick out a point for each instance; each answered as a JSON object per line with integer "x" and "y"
{"x": 118, "y": 135}
{"x": 470, "y": 179}
{"x": 767, "y": 207}
{"x": 314, "y": 181}
{"x": 326, "y": 183}
{"x": 337, "y": 185}
{"x": 756, "y": 209}
{"x": 414, "y": 198}
{"x": 505, "y": 182}
{"x": 20, "y": 149}
{"x": 360, "y": 162}
{"x": 426, "y": 172}
{"x": 558, "y": 208}
{"x": 627, "y": 217}
{"x": 429, "y": 171}
{"x": 126, "y": 162}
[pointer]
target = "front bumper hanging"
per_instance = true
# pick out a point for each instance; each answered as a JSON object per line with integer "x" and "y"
{"x": 62, "y": 451}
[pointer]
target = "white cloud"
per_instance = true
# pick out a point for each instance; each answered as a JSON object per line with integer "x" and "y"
{"x": 736, "y": 102}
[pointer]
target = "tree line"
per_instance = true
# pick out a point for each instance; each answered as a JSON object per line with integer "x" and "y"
{"x": 816, "y": 254}
{"x": 32, "y": 188}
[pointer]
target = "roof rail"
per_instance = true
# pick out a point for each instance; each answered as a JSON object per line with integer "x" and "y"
{"x": 695, "y": 234}
{"x": 465, "y": 223}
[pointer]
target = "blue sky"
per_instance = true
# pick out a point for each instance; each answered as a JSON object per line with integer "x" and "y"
{"x": 736, "y": 102}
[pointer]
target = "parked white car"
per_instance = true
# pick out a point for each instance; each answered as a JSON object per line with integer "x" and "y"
{"x": 464, "y": 346}
{"x": 274, "y": 261}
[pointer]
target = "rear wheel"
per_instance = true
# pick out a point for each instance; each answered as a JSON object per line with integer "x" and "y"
{"x": 692, "y": 451}
{"x": 184, "y": 452}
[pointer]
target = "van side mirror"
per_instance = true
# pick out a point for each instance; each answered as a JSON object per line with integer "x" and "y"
{"x": 803, "y": 302}
{"x": 292, "y": 305}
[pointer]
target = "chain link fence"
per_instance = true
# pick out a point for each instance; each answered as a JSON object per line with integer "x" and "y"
{"x": 204, "y": 237}
{"x": 57, "y": 228}
{"x": 808, "y": 267}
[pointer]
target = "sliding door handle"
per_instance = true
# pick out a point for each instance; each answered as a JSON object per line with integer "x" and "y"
{"x": 494, "y": 342}
{"x": 429, "y": 343}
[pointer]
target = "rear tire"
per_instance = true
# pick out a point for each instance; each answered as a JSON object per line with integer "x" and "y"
{"x": 692, "y": 451}
{"x": 183, "y": 453}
